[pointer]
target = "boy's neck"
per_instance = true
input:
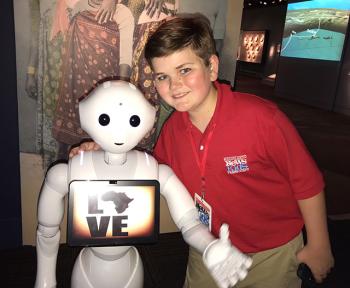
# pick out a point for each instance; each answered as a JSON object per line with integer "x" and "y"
{"x": 202, "y": 116}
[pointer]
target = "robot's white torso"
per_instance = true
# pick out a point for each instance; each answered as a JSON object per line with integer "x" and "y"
{"x": 93, "y": 265}
{"x": 92, "y": 165}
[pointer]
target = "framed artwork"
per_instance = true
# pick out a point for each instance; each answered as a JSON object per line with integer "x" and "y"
{"x": 65, "y": 48}
{"x": 252, "y": 44}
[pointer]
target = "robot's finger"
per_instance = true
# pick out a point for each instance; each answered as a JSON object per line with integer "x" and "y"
{"x": 246, "y": 262}
{"x": 233, "y": 280}
{"x": 224, "y": 232}
{"x": 225, "y": 283}
{"x": 242, "y": 274}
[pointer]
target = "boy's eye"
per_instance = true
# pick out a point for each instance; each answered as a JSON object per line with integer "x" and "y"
{"x": 161, "y": 77}
{"x": 184, "y": 71}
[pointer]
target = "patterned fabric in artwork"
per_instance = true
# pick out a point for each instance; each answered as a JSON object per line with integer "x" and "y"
{"x": 91, "y": 55}
{"x": 49, "y": 63}
{"x": 141, "y": 76}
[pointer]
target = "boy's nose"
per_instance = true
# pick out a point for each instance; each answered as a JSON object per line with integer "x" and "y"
{"x": 175, "y": 82}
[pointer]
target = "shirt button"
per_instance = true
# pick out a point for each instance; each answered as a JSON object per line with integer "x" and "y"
{"x": 201, "y": 147}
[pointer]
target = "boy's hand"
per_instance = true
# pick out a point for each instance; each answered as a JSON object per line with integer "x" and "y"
{"x": 320, "y": 261}
{"x": 86, "y": 146}
{"x": 226, "y": 263}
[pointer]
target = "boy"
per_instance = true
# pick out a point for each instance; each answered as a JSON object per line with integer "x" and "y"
{"x": 240, "y": 158}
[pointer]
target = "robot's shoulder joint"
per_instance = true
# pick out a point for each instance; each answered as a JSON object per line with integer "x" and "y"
{"x": 57, "y": 175}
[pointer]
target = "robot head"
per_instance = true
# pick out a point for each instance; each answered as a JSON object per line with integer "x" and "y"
{"x": 116, "y": 115}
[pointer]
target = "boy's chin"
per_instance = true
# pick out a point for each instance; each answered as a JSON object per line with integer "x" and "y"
{"x": 181, "y": 107}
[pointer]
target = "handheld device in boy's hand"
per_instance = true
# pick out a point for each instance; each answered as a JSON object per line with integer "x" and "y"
{"x": 305, "y": 274}
{"x": 224, "y": 261}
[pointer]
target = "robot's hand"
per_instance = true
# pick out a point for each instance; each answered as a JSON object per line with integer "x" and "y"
{"x": 226, "y": 263}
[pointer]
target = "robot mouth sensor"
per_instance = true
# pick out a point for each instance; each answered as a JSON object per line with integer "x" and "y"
{"x": 118, "y": 144}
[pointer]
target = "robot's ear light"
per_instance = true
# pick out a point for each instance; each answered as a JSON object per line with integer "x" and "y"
{"x": 135, "y": 120}
{"x": 104, "y": 119}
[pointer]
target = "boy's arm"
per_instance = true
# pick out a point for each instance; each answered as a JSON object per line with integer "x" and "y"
{"x": 317, "y": 253}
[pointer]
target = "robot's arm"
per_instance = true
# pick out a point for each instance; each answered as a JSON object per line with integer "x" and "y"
{"x": 225, "y": 262}
{"x": 50, "y": 214}
{"x": 51, "y": 199}
{"x": 183, "y": 210}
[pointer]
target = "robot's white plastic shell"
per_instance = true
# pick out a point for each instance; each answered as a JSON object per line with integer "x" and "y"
{"x": 120, "y": 101}
{"x": 98, "y": 267}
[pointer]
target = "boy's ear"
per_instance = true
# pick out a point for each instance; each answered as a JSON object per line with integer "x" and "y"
{"x": 214, "y": 67}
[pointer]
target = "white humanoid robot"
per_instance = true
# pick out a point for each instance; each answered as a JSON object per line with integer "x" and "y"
{"x": 117, "y": 116}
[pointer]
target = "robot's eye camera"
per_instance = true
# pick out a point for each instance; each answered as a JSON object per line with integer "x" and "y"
{"x": 135, "y": 121}
{"x": 104, "y": 119}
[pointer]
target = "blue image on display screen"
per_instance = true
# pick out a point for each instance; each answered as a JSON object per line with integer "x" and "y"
{"x": 315, "y": 29}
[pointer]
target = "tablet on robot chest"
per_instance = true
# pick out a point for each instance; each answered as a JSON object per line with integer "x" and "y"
{"x": 113, "y": 212}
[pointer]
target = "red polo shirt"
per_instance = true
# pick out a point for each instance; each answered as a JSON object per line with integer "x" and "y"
{"x": 251, "y": 164}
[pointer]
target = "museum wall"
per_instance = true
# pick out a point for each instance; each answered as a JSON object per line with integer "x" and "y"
{"x": 270, "y": 19}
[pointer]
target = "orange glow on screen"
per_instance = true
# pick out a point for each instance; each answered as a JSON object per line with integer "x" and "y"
{"x": 139, "y": 211}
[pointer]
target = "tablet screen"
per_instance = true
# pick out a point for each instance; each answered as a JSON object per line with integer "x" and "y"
{"x": 113, "y": 212}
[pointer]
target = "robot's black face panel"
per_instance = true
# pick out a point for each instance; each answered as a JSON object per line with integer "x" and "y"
{"x": 104, "y": 119}
{"x": 135, "y": 120}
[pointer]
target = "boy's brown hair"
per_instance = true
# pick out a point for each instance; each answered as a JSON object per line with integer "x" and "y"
{"x": 184, "y": 30}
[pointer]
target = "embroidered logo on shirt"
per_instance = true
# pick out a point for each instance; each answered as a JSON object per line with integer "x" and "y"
{"x": 236, "y": 164}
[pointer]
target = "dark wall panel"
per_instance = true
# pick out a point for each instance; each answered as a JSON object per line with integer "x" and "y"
{"x": 342, "y": 101}
{"x": 10, "y": 196}
{"x": 306, "y": 81}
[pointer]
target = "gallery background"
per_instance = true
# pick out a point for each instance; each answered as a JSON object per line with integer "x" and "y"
{"x": 33, "y": 162}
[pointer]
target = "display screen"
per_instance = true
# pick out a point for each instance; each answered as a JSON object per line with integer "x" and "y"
{"x": 315, "y": 29}
{"x": 113, "y": 212}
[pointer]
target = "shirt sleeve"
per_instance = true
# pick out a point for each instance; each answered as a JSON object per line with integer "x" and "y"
{"x": 288, "y": 153}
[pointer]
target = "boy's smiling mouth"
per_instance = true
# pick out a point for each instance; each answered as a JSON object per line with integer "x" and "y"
{"x": 180, "y": 95}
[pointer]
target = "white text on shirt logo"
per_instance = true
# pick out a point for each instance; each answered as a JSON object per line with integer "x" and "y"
{"x": 236, "y": 164}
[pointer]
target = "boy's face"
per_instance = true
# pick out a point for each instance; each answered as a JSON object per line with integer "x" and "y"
{"x": 184, "y": 81}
